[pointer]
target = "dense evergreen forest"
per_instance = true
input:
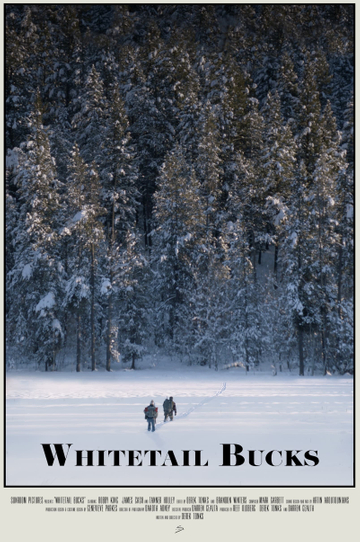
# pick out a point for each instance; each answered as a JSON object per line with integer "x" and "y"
{"x": 180, "y": 179}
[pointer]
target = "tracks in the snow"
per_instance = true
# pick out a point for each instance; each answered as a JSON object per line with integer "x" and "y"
{"x": 195, "y": 407}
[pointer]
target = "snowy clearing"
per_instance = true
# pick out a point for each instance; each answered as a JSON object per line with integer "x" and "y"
{"x": 104, "y": 411}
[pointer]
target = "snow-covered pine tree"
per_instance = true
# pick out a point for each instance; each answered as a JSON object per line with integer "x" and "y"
{"x": 272, "y": 21}
{"x": 330, "y": 167}
{"x": 293, "y": 261}
{"x": 244, "y": 290}
{"x": 23, "y": 65}
{"x": 229, "y": 88}
{"x": 151, "y": 108}
{"x": 309, "y": 260}
{"x": 62, "y": 83}
{"x": 90, "y": 119}
{"x": 12, "y": 209}
{"x": 252, "y": 145}
{"x": 83, "y": 235}
{"x": 278, "y": 163}
{"x": 36, "y": 280}
{"x": 308, "y": 118}
{"x": 288, "y": 88}
{"x": 189, "y": 107}
{"x": 297, "y": 258}
{"x": 277, "y": 327}
{"x": 208, "y": 166}
{"x": 135, "y": 303}
{"x": 211, "y": 327}
{"x": 209, "y": 302}
{"x": 120, "y": 199}
{"x": 343, "y": 317}
{"x": 180, "y": 226}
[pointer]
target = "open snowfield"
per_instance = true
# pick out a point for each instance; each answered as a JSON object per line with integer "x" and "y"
{"x": 104, "y": 411}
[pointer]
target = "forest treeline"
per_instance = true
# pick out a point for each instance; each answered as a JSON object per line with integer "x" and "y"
{"x": 180, "y": 178}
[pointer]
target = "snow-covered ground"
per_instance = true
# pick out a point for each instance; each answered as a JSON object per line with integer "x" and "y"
{"x": 104, "y": 411}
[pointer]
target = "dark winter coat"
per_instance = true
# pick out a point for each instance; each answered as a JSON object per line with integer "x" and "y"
{"x": 151, "y": 411}
{"x": 169, "y": 407}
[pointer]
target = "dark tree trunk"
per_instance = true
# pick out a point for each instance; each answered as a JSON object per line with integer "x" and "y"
{"x": 110, "y": 302}
{"x": 109, "y": 333}
{"x": 301, "y": 351}
{"x": 92, "y": 311}
{"x": 78, "y": 340}
{"x": 276, "y": 254}
{"x": 340, "y": 275}
{"x": 111, "y": 263}
{"x": 323, "y": 350}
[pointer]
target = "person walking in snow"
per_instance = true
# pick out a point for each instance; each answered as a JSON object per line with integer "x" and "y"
{"x": 151, "y": 413}
{"x": 169, "y": 407}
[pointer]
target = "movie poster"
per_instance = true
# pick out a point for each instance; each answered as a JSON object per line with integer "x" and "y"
{"x": 178, "y": 271}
